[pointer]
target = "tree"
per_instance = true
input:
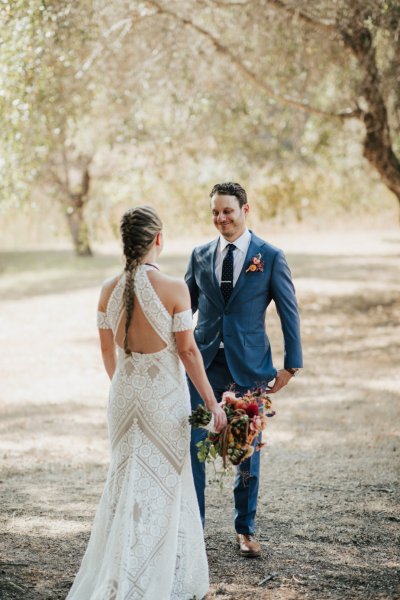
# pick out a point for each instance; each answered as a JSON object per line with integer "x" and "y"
{"x": 367, "y": 30}
{"x": 100, "y": 98}
{"x": 75, "y": 100}
{"x": 45, "y": 101}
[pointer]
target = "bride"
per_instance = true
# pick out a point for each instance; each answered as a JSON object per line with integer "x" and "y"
{"x": 147, "y": 539}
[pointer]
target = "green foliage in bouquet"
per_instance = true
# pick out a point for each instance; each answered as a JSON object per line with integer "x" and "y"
{"x": 246, "y": 418}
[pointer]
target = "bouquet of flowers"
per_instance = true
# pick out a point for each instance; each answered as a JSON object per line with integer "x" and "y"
{"x": 246, "y": 419}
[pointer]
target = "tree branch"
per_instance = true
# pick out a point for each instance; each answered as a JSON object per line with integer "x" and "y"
{"x": 65, "y": 164}
{"x": 308, "y": 19}
{"x": 228, "y": 4}
{"x": 252, "y": 77}
{"x": 125, "y": 25}
{"x": 58, "y": 181}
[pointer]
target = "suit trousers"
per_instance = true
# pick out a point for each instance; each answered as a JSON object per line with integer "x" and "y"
{"x": 247, "y": 473}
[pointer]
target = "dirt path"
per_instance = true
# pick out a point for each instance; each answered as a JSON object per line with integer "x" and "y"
{"x": 329, "y": 518}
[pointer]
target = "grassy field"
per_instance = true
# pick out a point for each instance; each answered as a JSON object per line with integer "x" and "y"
{"x": 328, "y": 516}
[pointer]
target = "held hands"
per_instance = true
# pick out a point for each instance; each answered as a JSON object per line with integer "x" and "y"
{"x": 282, "y": 378}
{"x": 220, "y": 420}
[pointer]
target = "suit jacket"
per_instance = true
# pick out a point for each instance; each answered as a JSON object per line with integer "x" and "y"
{"x": 240, "y": 323}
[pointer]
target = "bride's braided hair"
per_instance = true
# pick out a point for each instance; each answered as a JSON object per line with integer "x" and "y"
{"x": 139, "y": 227}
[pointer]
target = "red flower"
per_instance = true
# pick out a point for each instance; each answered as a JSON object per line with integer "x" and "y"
{"x": 252, "y": 410}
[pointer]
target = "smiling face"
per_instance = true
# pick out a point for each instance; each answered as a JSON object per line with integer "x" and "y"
{"x": 228, "y": 217}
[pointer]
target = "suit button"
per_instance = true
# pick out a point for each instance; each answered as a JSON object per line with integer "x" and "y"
{"x": 227, "y": 312}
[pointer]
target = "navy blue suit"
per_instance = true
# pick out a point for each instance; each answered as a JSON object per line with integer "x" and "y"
{"x": 246, "y": 359}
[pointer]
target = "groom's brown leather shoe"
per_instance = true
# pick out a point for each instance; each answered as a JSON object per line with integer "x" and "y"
{"x": 248, "y": 545}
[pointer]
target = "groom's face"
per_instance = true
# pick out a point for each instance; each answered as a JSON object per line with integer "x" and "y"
{"x": 228, "y": 217}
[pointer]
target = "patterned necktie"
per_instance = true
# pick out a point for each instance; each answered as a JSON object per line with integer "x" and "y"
{"x": 227, "y": 273}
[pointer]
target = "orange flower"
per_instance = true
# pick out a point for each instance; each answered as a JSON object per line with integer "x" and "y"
{"x": 249, "y": 452}
{"x": 257, "y": 264}
{"x": 240, "y": 404}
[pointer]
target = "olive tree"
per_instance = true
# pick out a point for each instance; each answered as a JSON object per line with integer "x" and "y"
{"x": 335, "y": 61}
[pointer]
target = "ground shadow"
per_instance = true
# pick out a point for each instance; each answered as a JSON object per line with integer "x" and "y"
{"x": 328, "y": 505}
{"x": 37, "y": 272}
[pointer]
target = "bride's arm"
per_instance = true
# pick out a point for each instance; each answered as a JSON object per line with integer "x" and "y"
{"x": 106, "y": 335}
{"x": 107, "y": 347}
{"x": 193, "y": 362}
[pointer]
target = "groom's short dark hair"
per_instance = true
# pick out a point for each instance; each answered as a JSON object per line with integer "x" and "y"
{"x": 230, "y": 189}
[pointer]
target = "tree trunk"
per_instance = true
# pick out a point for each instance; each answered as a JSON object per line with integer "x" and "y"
{"x": 380, "y": 155}
{"x": 78, "y": 227}
{"x": 74, "y": 203}
{"x": 378, "y": 149}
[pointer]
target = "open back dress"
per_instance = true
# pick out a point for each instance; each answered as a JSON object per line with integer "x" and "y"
{"x": 147, "y": 540}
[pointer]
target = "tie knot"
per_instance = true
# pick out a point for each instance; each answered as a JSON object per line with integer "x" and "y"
{"x": 231, "y": 247}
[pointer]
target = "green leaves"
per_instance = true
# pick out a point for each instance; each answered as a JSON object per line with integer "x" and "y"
{"x": 41, "y": 100}
{"x": 204, "y": 450}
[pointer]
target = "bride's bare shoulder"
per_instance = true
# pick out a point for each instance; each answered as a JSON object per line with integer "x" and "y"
{"x": 166, "y": 280}
{"x": 171, "y": 290}
{"x": 106, "y": 290}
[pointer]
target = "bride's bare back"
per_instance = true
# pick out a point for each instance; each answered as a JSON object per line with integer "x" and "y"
{"x": 142, "y": 337}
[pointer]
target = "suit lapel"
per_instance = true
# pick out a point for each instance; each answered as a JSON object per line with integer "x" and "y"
{"x": 252, "y": 250}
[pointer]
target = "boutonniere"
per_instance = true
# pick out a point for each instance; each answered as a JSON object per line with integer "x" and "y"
{"x": 256, "y": 264}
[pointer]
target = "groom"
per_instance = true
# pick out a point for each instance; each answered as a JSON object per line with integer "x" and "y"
{"x": 231, "y": 301}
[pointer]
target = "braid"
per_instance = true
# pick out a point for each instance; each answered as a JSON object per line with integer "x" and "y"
{"x": 139, "y": 226}
{"x": 130, "y": 269}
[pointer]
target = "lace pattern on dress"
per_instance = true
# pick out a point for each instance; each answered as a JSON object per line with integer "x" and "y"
{"x": 102, "y": 320}
{"x": 147, "y": 531}
{"x": 115, "y": 304}
{"x": 152, "y": 306}
{"x": 182, "y": 321}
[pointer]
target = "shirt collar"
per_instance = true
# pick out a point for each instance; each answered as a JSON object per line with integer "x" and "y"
{"x": 242, "y": 243}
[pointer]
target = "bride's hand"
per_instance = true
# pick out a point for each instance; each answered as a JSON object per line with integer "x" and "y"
{"x": 220, "y": 420}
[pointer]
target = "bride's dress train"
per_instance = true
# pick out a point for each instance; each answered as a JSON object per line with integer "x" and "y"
{"x": 147, "y": 539}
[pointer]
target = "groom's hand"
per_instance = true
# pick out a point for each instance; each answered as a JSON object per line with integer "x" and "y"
{"x": 282, "y": 378}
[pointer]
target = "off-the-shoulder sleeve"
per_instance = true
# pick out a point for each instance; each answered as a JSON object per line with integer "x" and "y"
{"x": 182, "y": 321}
{"x": 102, "y": 320}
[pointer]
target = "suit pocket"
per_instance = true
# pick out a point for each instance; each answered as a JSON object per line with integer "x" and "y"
{"x": 256, "y": 340}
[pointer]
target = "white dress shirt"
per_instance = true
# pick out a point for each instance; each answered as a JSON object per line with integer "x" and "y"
{"x": 242, "y": 245}
{"x": 239, "y": 255}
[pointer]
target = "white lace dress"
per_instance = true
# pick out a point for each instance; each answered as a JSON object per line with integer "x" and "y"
{"x": 147, "y": 539}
